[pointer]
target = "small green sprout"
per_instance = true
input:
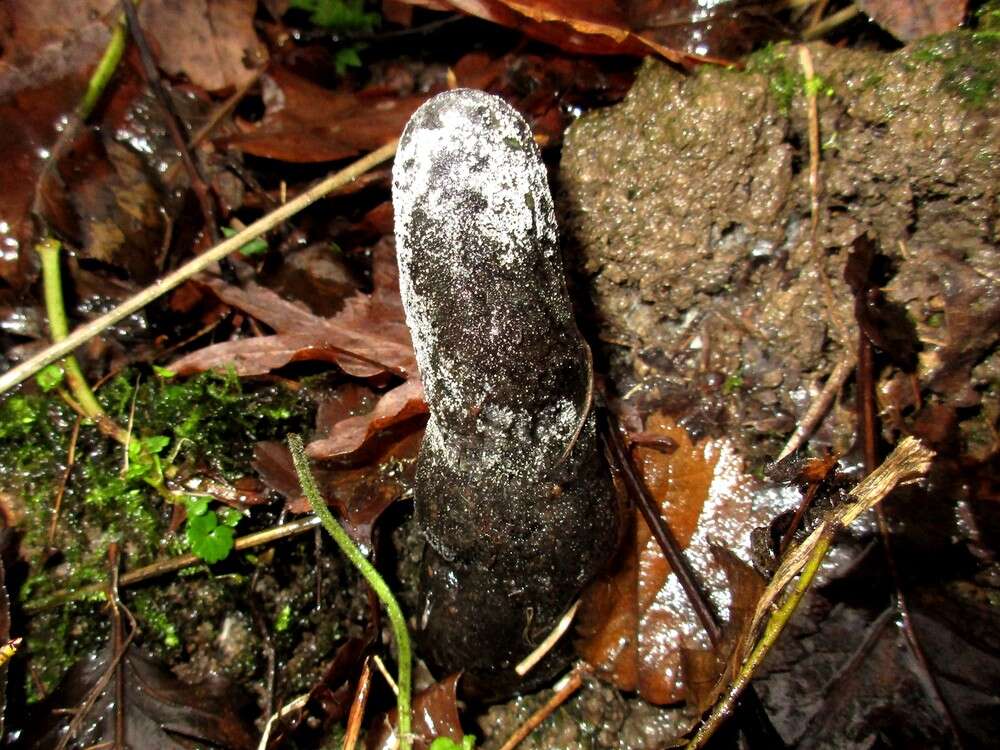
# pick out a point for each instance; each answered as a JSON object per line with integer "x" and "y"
{"x": 209, "y": 539}
{"x": 446, "y": 743}
{"x": 284, "y": 619}
{"x": 733, "y": 383}
{"x": 253, "y": 247}
{"x": 50, "y": 378}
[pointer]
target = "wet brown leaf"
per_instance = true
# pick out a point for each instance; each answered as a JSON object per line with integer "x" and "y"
{"x": 435, "y": 714}
{"x": 116, "y": 207}
{"x": 368, "y": 337}
{"x": 397, "y": 405}
{"x": 211, "y": 42}
{"x": 360, "y": 493}
{"x": 683, "y": 31}
{"x": 912, "y": 19}
{"x": 639, "y": 630}
{"x": 883, "y": 322}
{"x": 160, "y": 711}
{"x": 47, "y": 50}
{"x": 305, "y": 122}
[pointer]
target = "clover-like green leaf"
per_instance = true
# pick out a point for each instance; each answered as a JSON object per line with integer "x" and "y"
{"x": 209, "y": 540}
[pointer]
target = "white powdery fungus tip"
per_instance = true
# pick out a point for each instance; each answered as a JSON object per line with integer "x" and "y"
{"x": 512, "y": 494}
{"x": 477, "y": 247}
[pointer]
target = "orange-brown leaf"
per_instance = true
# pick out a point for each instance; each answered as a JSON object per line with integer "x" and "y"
{"x": 639, "y": 630}
{"x": 309, "y": 123}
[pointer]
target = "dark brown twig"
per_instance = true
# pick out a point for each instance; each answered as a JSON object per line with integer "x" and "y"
{"x": 751, "y": 709}
{"x": 661, "y": 532}
{"x": 121, "y": 645}
{"x": 61, "y": 492}
{"x": 804, "y": 504}
{"x": 869, "y": 426}
{"x": 171, "y": 120}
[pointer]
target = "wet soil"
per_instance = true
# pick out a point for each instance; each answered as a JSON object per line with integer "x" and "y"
{"x": 687, "y": 215}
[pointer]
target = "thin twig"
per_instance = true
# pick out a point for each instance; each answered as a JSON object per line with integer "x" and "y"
{"x": 819, "y": 406}
{"x": 831, "y": 22}
{"x": 171, "y": 119}
{"x": 869, "y": 427}
{"x": 86, "y": 332}
{"x": 358, "y": 706}
{"x": 70, "y": 462}
{"x": 660, "y": 531}
{"x": 296, "y": 705}
{"x": 528, "y": 663}
{"x": 573, "y": 682}
{"x": 789, "y": 534}
{"x": 101, "y": 684}
{"x": 380, "y": 665}
{"x": 805, "y": 60}
{"x": 172, "y": 564}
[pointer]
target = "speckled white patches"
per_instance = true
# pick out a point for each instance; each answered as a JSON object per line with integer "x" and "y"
{"x": 474, "y": 219}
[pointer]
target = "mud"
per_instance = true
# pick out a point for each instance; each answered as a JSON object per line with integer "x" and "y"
{"x": 687, "y": 214}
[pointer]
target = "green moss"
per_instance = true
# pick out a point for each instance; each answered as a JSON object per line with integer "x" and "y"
{"x": 988, "y": 18}
{"x": 970, "y": 63}
{"x": 205, "y": 425}
{"x": 784, "y": 78}
{"x": 156, "y": 618}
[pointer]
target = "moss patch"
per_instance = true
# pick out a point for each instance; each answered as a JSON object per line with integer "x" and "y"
{"x": 205, "y": 426}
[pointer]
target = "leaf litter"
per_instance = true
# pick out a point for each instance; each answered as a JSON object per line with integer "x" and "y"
{"x": 365, "y": 436}
{"x": 638, "y": 628}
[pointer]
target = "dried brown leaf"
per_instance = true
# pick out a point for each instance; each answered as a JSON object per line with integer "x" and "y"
{"x": 306, "y": 122}
{"x": 639, "y": 630}
{"x": 912, "y": 19}
{"x": 683, "y": 31}
{"x": 211, "y": 42}
{"x": 397, "y": 405}
{"x": 368, "y": 337}
{"x": 359, "y": 493}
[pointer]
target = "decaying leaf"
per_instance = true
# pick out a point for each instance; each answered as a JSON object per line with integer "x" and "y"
{"x": 159, "y": 710}
{"x": 360, "y": 493}
{"x": 435, "y": 714}
{"x": 305, "y": 122}
{"x": 368, "y": 337}
{"x": 46, "y": 52}
{"x": 679, "y": 30}
{"x": 912, "y": 19}
{"x": 638, "y": 628}
{"x": 212, "y": 42}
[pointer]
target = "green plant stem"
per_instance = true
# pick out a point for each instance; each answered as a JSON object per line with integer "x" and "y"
{"x": 48, "y": 249}
{"x": 775, "y": 625}
{"x": 381, "y": 588}
{"x": 105, "y": 70}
